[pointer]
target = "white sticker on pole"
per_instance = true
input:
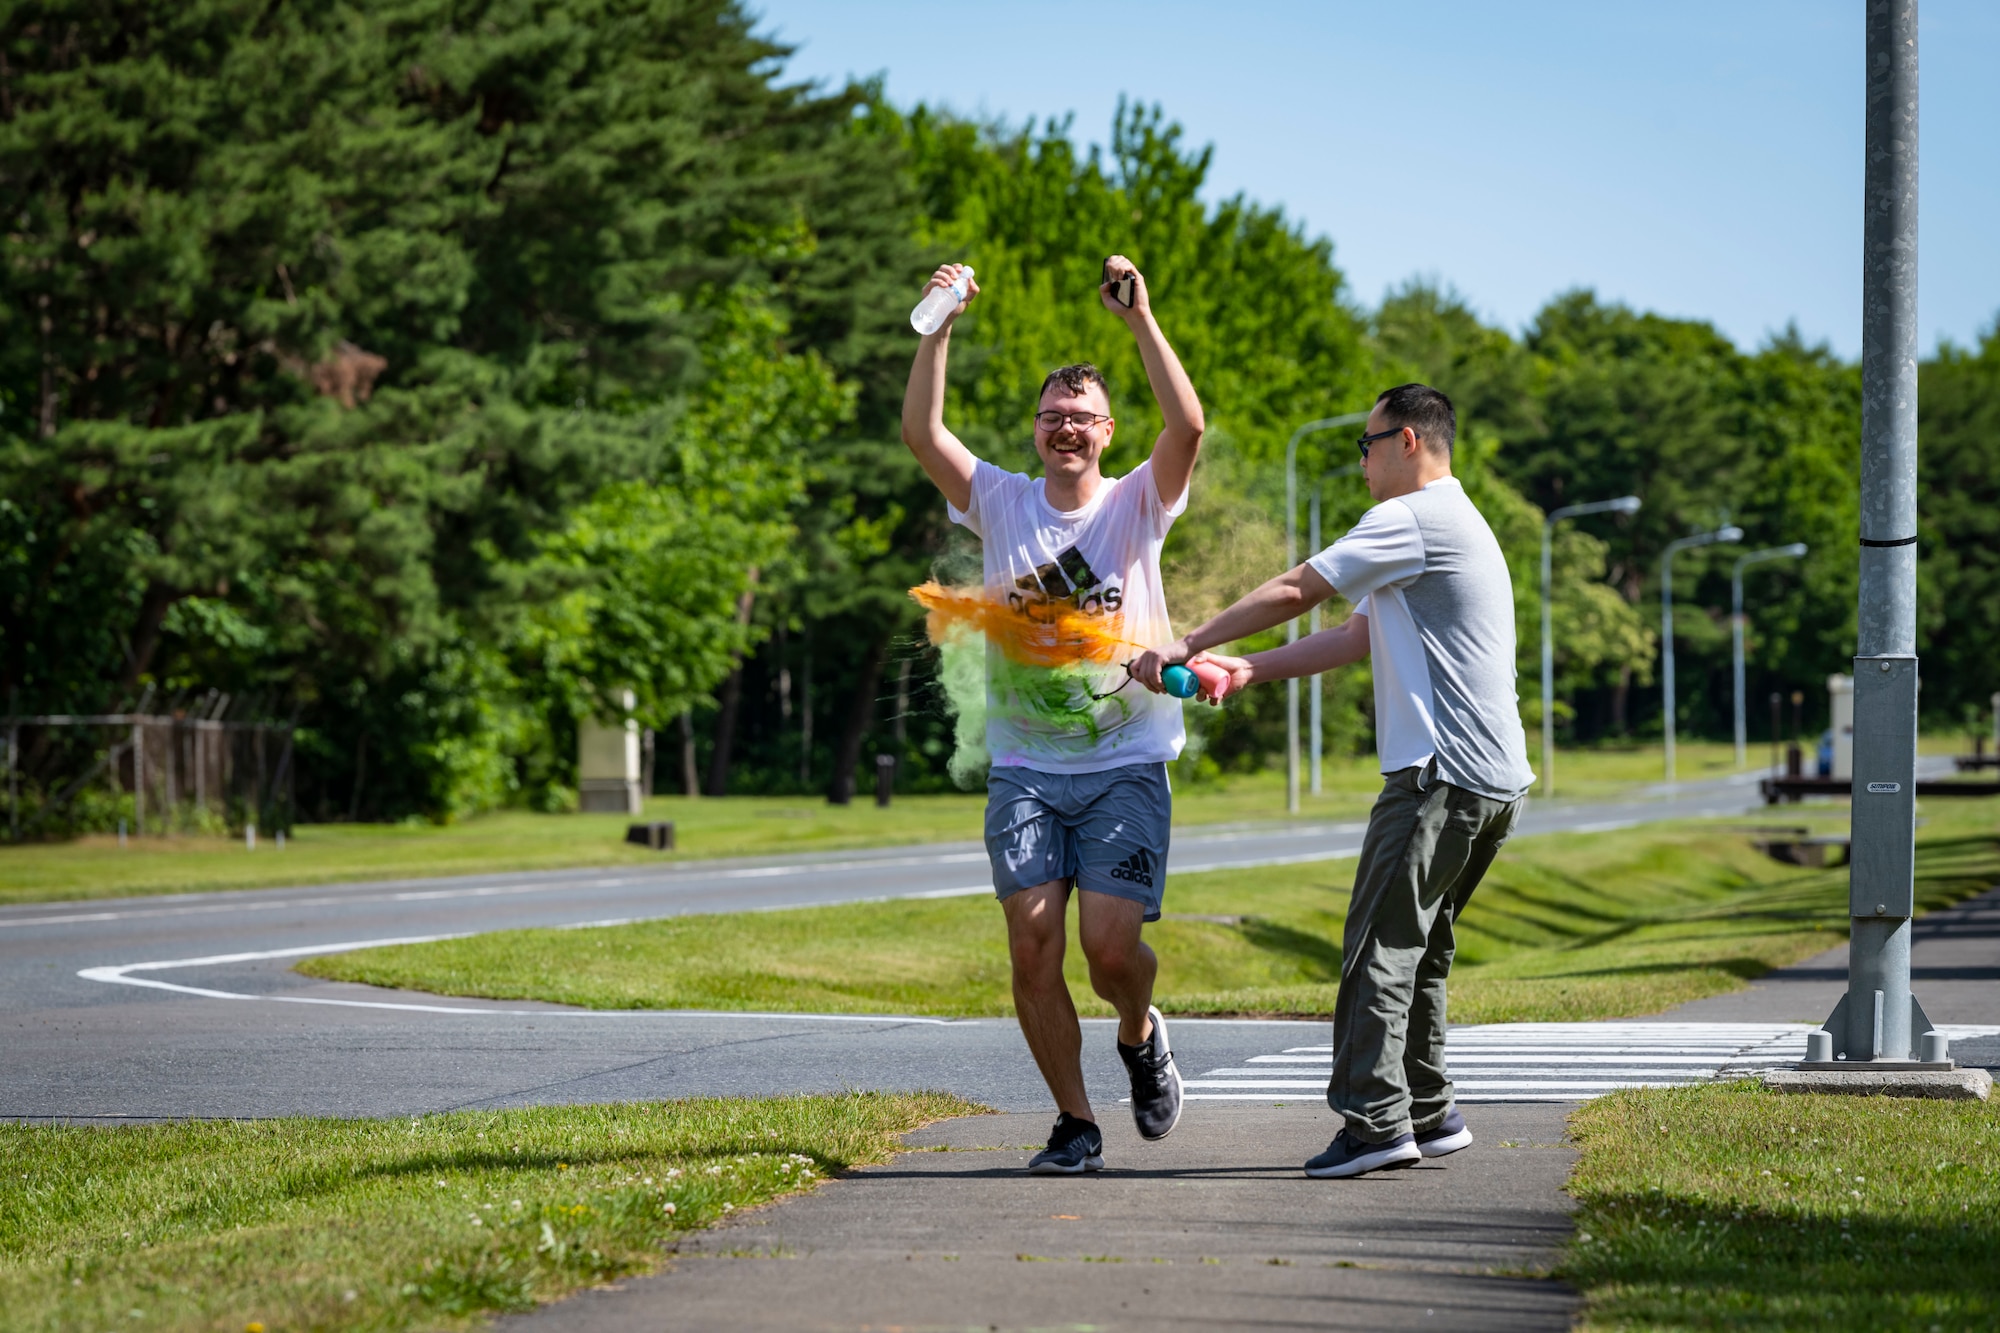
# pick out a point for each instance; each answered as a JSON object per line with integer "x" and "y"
{"x": 1884, "y": 788}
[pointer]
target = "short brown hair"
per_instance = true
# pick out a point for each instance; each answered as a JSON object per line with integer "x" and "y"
{"x": 1075, "y": 378}
{"x": 1423, "y": 409}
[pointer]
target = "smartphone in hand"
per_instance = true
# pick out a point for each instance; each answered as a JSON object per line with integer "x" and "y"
{"x": 1121, "y": 286}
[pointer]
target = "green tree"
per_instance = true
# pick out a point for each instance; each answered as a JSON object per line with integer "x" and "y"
{"x": 1958, "y": 512}
{"x": 324, "y": 331}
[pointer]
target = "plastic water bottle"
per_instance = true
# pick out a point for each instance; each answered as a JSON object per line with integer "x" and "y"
{"x": 937, "y": 305}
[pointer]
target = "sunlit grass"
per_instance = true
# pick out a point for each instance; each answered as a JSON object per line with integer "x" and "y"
{"x": 97, "y": 867}
{"x": 1726, "y": 1206}
{"x": 395, "y": 1224}
{"x": 1567, "y": 926}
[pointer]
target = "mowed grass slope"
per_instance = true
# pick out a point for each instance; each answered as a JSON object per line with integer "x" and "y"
{"x": 97, "y": 867}
{"x": 1565, "y": 927}
{"x": 395, "y": 1224}
{"x": 1727, "y": 1206}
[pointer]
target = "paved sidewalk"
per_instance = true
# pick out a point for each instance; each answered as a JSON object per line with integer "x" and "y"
{"x": 1954, "y": 970}
{"x": 1215, "y": 1227}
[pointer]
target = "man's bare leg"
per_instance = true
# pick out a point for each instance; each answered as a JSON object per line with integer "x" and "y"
{"x": 1122, "y": 965}
{"x": 1047, "y": 1015}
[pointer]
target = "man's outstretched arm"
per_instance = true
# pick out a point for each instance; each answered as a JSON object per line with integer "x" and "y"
{"x": 1180, "y": 437}
{"x": 944, "y": 459}
{"x": 1291, "y": 594}
{"x": 1343, "y": 645}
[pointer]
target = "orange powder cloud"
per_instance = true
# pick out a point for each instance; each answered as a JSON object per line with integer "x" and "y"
{"x": 1044, "y": 633}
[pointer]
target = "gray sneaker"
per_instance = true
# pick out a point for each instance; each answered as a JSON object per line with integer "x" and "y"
{"x": 1156, "y": 1082}
{"x": 1075, "y": 1146}
{"x": 1347, "y": 1156}
{"x": 1447, "y": 1137}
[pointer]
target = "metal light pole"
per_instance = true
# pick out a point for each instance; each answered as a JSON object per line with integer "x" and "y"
{"x": 1879, "y": 1019}
{"x": 1624, "y": 504}
{"x": 1727, "y": 534}
{"x": 1312, "y": 540}
{"x": 1795, "y": 550}
{"x": 1292, "y": 562}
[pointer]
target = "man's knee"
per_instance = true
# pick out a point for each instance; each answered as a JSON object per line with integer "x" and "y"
{"x": 1035, "y": 928}
{"x": 1110, "y": 933}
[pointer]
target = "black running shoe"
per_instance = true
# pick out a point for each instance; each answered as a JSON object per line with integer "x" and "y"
{"x": 1350, "y": 1157}
{"x": 1075, "y": 1146}
{"x": 1449, "y": 1136}
{"x": 1156, "y": 1083}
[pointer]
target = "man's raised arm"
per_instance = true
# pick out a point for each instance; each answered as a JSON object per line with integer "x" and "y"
{"x": 946, "y": 461}
{"x": 1180, "y": 437}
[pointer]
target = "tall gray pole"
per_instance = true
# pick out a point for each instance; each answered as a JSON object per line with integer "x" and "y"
{"x": 1793, "y": 551}
{"x": 1313, "y": 725}
{"x": 1878, "y": 1018}
{"x": 1728, "y": 534}
{"x": 1315, "y": 745}
{"x": 1624, "y": 504}
{"x": 1292, "y": 562}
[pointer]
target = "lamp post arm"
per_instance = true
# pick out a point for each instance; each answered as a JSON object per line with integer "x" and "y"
{"x": 1728, "y": 533}
{"x": 1624, "y": 504}
{"x": 1292, "y": 475}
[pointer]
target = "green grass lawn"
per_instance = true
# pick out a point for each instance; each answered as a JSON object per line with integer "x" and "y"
{"x": 1572, "y": 926}
{"x": 395, "y": 1224}
{"x": 97, "y": 867}
{"x": 1727, "y": 1206}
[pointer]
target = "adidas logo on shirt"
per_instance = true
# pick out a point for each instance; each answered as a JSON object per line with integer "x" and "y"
{"x": 1137, "y": 868}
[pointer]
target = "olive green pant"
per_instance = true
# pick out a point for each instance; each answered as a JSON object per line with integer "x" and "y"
{"x": 1428, "y": 846}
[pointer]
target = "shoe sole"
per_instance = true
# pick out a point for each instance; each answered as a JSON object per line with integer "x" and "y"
{"x": 1173, "y": 1066}
{"x": 1054, "y": 1169}
{"x": 1390, "y": 1160}
{"x": 1447, "y": 1145}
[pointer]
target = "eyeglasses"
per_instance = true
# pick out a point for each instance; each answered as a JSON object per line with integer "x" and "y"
{"x": 1079, "y": 420}
{"x": 1367, "y": 440}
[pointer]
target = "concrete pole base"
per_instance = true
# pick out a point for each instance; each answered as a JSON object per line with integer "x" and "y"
{"x": 1910, "y": 1080}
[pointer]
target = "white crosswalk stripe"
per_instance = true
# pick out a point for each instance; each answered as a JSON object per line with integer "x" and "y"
{"x": 1548, "y": 1061}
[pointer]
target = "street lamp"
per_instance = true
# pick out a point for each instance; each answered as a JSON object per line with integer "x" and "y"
{"x": 1791, "y": 552}
{"x": 1312, "y": 540}
{"x": 1624, "y": 504}
{"x": 1292, "y": 562}
{"x": 1725, "y": 534}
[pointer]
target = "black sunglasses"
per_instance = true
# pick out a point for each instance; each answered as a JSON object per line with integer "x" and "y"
{"x": 1367, "y": 440}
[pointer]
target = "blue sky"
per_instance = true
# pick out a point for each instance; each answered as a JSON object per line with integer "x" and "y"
{"x": 1692, "y": 158}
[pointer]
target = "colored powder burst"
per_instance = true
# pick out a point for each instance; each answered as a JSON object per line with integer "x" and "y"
{"x": 1049, "y": 664}
{"x": 1043, "y": 633}
{"x": 962, "y": 674}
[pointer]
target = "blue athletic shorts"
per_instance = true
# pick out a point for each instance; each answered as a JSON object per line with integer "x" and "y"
{"x": 1104, "y": 832}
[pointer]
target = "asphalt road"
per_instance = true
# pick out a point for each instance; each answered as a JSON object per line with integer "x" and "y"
{"x": 187, "y": 1006}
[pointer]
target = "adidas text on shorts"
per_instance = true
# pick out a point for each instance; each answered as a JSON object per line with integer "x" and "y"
{"x": 1106, "y": 832}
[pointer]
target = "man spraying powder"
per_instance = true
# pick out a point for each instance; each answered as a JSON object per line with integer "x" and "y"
{"x": 1434, "y": 609}
{"x": 1077, "y": 796}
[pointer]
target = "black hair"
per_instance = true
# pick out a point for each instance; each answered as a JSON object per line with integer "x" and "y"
{"x": 1074, "y": 378}
{"x": 1425, "y": 411}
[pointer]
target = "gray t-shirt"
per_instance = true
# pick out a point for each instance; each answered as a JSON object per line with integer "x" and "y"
{"x": 1426, "y": 571}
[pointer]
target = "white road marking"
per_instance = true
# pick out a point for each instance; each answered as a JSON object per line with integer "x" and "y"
{"x": 240, "y": 902}
{"x": 120, "y": 975}
{"x": 1551, "y": 1061}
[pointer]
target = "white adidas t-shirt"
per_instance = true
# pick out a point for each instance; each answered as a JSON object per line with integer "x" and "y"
{"x": 1104, "y": 559}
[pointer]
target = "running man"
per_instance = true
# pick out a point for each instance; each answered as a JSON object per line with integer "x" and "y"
{"x": 1435, "y": 610}
{"x": 1077, "y": 797}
